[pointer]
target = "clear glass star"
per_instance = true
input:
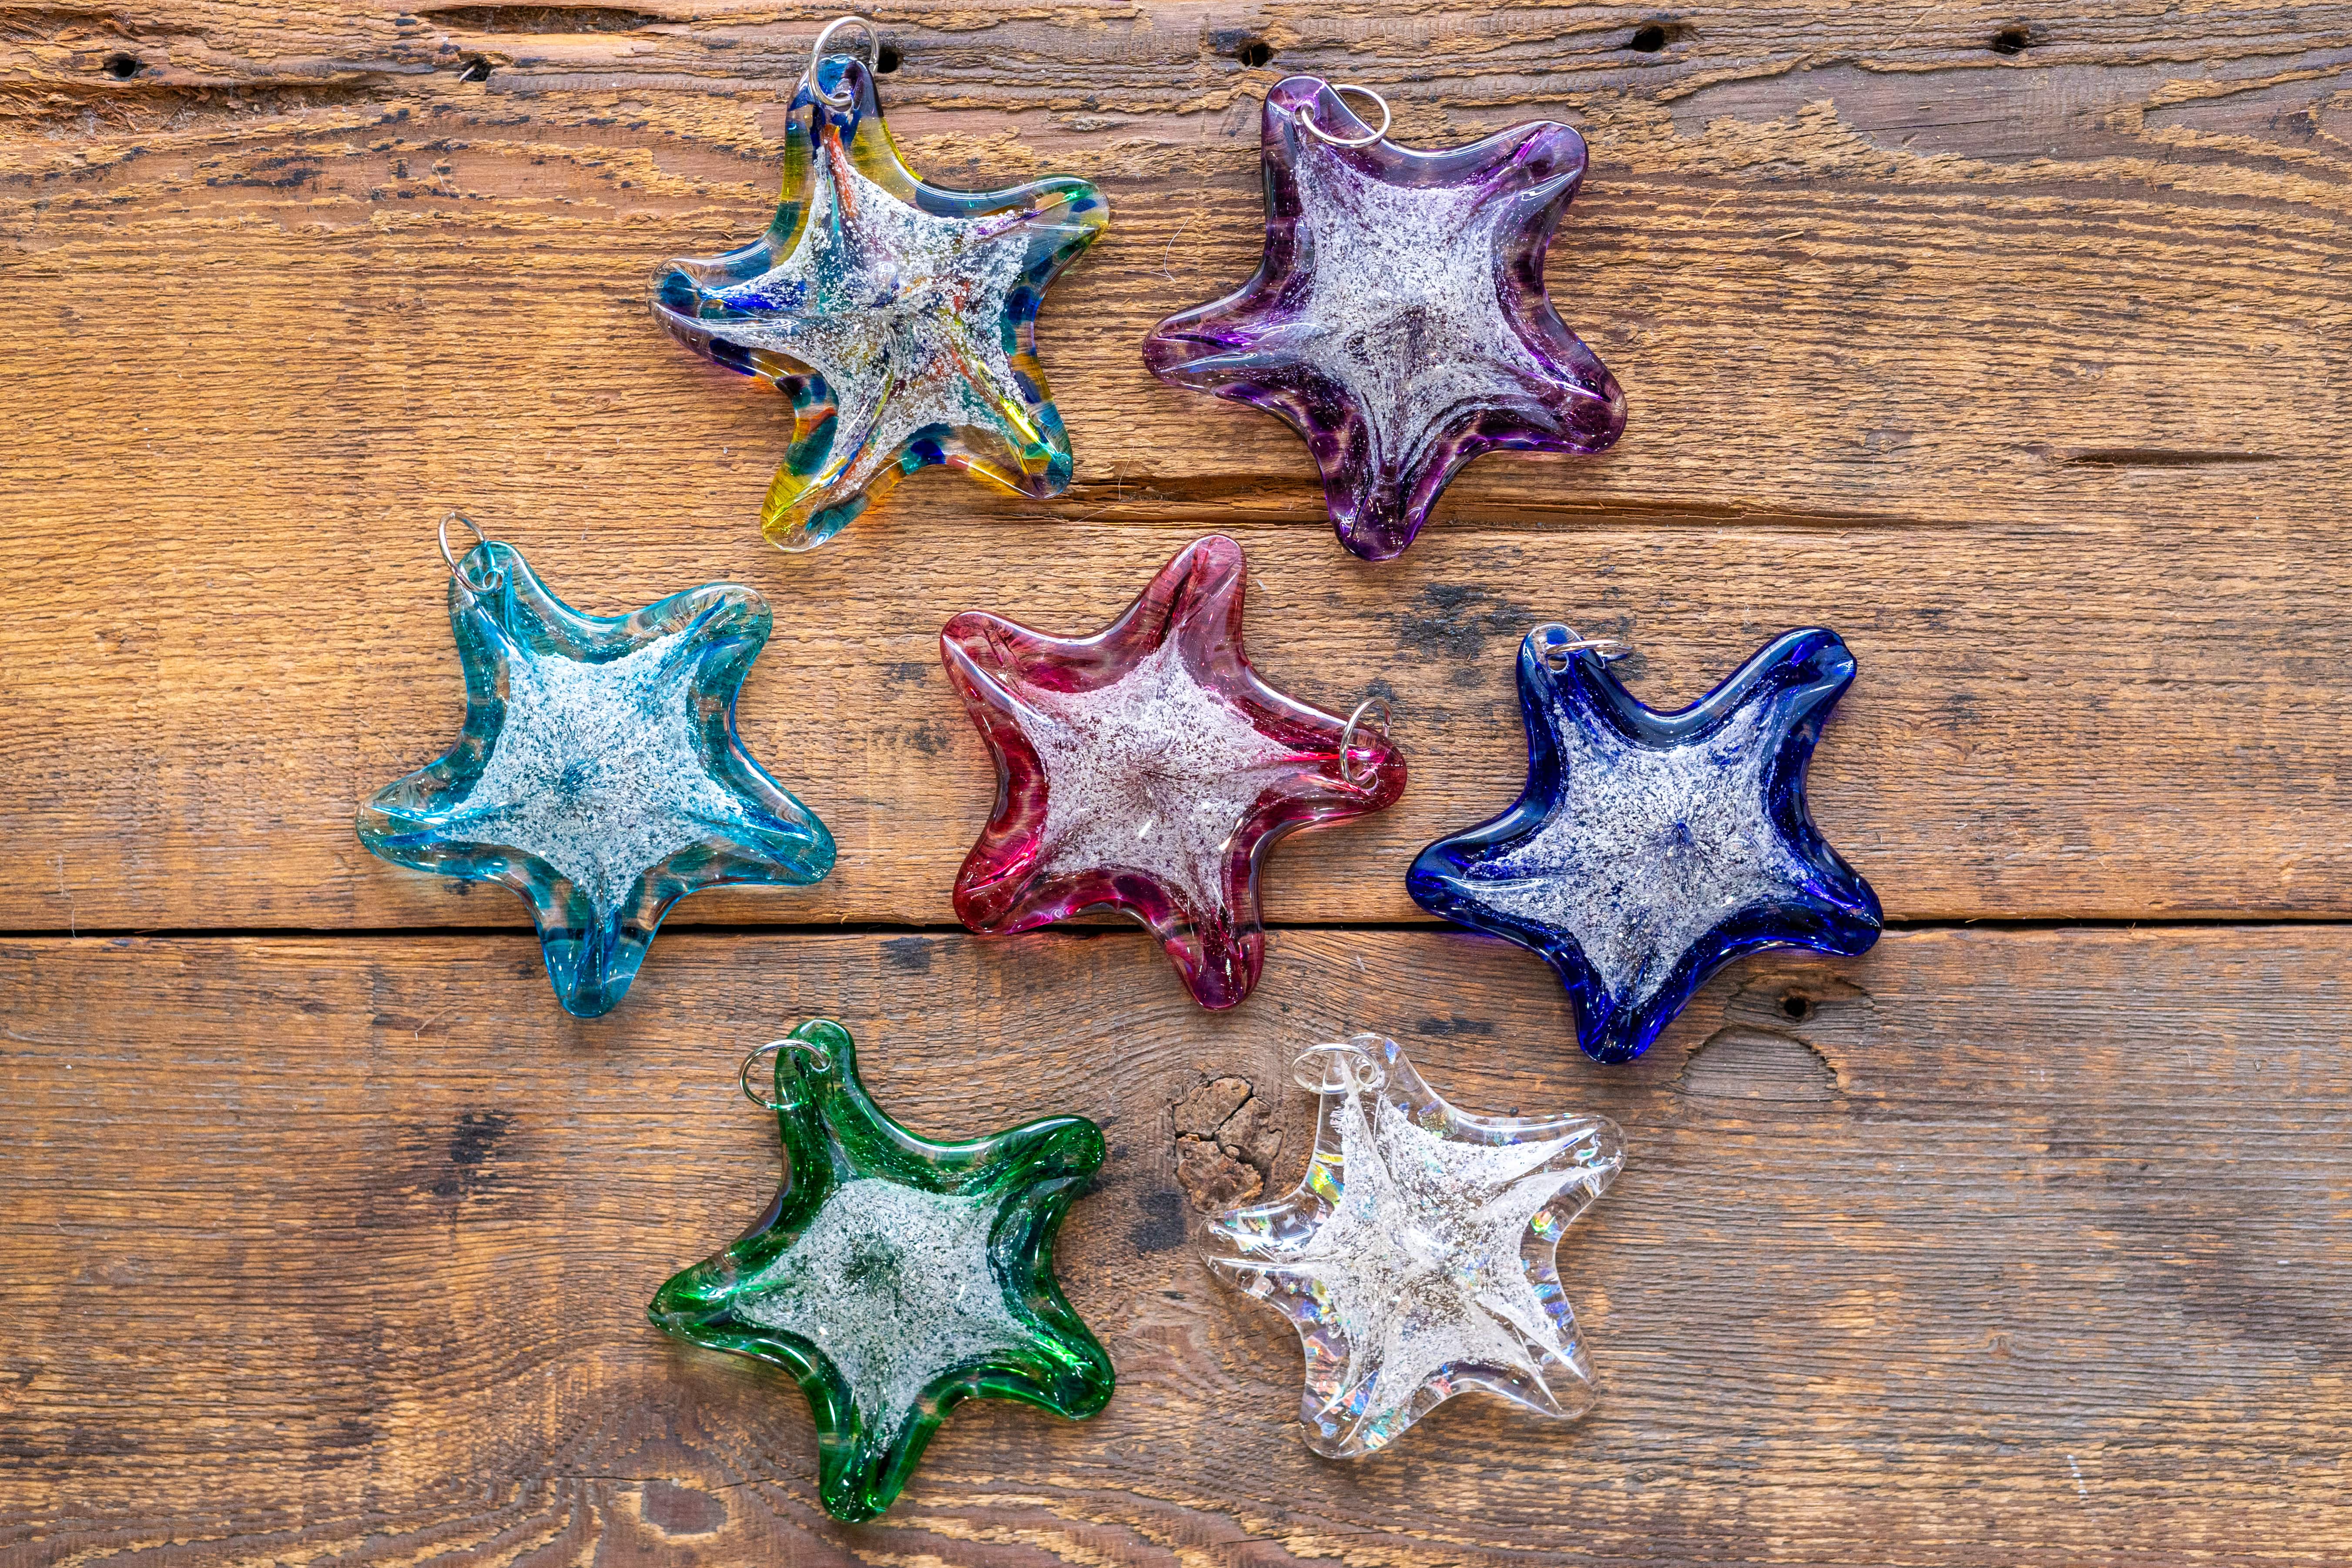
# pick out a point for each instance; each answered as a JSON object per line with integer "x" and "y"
{"x": 899, "y": 317}
{"x": 1649, "y": 849}
{"x": 1417, "y": 1257}
{"x": 894, "y": 1278}
{"x": 599, "y": 774}
{"x": 1147, "y": 768}
{"x": 1399, "y": 321}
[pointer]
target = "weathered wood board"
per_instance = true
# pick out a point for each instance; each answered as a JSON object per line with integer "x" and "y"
{"x": 348, "y": 1258}
{"x": 2011, "y": 344}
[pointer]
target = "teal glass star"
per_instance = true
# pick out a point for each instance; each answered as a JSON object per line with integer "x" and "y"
{"x": 899, "y": 317}
{"x": 895, "y": 1278}
{"x": 599, "y": 774}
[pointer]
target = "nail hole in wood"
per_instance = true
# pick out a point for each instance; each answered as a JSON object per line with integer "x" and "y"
{"x": 121, "y": 67}
{"x": 2013, "y": 39}
{"x": 1648, "y": 39}
{"x": 1254, "y": 53}
{"x": 1796, "y": 1007}
{"x": 887, "y": 60}
{"x": 477, "y": 70}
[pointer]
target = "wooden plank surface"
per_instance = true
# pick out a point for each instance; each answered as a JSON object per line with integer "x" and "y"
{"x": 349, "y": 1260}
{"x": 2008, "y": 344}
{"x": 1896, "y": 366}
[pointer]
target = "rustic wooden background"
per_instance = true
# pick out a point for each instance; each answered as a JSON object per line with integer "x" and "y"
{"x": 2009, "y": 344}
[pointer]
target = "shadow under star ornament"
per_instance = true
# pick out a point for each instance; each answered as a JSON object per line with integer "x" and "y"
{"x": 894, "y": 1278}
{"x": 1148, "y": 768}
{"x": 1416, "y": 1258}
{"x": 1649, "y": 849}
{"x": 898, "y": 317}
{"x": 599, "y": 774}
{"x": 1399, "y": 321}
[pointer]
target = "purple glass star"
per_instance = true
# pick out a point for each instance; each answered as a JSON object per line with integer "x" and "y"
{"x": 1399, "y": 321}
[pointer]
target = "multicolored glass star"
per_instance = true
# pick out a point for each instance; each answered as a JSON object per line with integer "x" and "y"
{"x": 1417, "y": 1257}
{"x": 1148, "y": 768}
{"x": 899, "y": 317}
{"x": 599, "y": 774}
{"x": 895, "y": 1278}
{"x": 1649, "y": 849}
{"x": 1399, "y": 321}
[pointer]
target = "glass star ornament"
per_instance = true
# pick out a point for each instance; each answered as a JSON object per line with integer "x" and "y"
{"x": 895, "y": 1278}
{"x": 1148, "y": 768}
{"x": 1649, "y": 849}
{"x": 1417, "y": 1257}
{"x": 899, "y": 318}
{"x": 1399, "y": 321}
{"x": 599, "y": 774}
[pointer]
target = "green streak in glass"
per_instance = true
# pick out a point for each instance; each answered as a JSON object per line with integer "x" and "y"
{"x": 894, "y": 1278}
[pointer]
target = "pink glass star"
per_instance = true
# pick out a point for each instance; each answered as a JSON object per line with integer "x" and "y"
{"x": 1399, "y": 321}
{"x": 1147, "y": 768}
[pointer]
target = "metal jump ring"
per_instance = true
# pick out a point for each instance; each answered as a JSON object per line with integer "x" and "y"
{"x": 743, "y": 1074}
{"x": 1347, "y": 738}
{"x": 454, "y": 570}
{"x": 1571, "y": 641}
{"x": 1342, "y": 90}
{"x": 816, "y": 56}
{"x": 1365, "y": 1074}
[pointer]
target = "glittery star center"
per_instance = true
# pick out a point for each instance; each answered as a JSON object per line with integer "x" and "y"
{"x": 1153, "y": 773}
{"x": 1648, "y": 848}
{"x": 598, "y": 770}
{"x": 895, "y": 1286}
{"x": 1420, "y": 1260}
{"x": 879, "y": 298}
{"x": 1404, "y": 309}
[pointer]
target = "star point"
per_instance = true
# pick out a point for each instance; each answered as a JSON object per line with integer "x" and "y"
{"x": 898, "y": 317}
{"x": 1417, "y": 1257}
{"x": 895, "y": 1278}
{"x": 1649, "y": 849}
{"x": 1399, "y": 321}
{"x": 599, "y": 774}
{"x": 1148, "y": 768}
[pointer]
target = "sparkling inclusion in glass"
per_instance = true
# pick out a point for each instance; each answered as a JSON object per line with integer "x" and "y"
{"x": 894, "y": 1278}
{"x": 899, "y": 318}
{"x": 1648, "y": 850}
{"x": 1399, "y": 321}
{"x": 599, "y": 774}
{"x": 1147, "y": 768}
{"x": 1417, "y": 1257}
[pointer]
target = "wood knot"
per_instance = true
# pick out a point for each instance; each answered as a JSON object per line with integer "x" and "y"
{"x": 1226, "y": 1139}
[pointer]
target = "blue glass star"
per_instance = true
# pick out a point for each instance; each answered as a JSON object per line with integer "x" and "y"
{"x": 599, "y": 774}
{"x": 1649, "y": 849}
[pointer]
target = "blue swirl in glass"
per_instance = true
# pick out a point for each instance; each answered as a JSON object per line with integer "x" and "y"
{"x": 599, "y": 774}
{"x": 1649, "y": 849}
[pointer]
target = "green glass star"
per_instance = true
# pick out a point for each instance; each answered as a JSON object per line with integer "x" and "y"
{"x": 895, "y": 1278}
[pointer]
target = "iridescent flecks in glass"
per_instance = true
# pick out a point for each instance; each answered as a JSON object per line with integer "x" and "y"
{"x": 1417, "y": 1257}
{"x": 1148, "y": 768}
{"x": 1399, "y": 321}
{"x": 1648, "y": 850}
{"x": 599, "y": 774}
{"x": 899, "y": 318}
{"x": 895, "y": 1278}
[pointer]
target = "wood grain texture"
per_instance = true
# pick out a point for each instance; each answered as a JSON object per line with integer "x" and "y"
{"x": 339, "y": 1248}
{"x": 189, "y": 752}
{"x": 2016, "y": 369}
{"x": 2009, "y": 343}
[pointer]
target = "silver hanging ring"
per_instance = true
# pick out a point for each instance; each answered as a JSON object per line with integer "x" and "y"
{"x": 1568, "y": 640}
{"x": 1341, "y": 1066}
{"x": 817, "y": 57}
{"x": 455, "y": 569}
{"x": 1348, "y": 739}
{"x": 817, "y": 1058}
{"x": 1342, "y": 90}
